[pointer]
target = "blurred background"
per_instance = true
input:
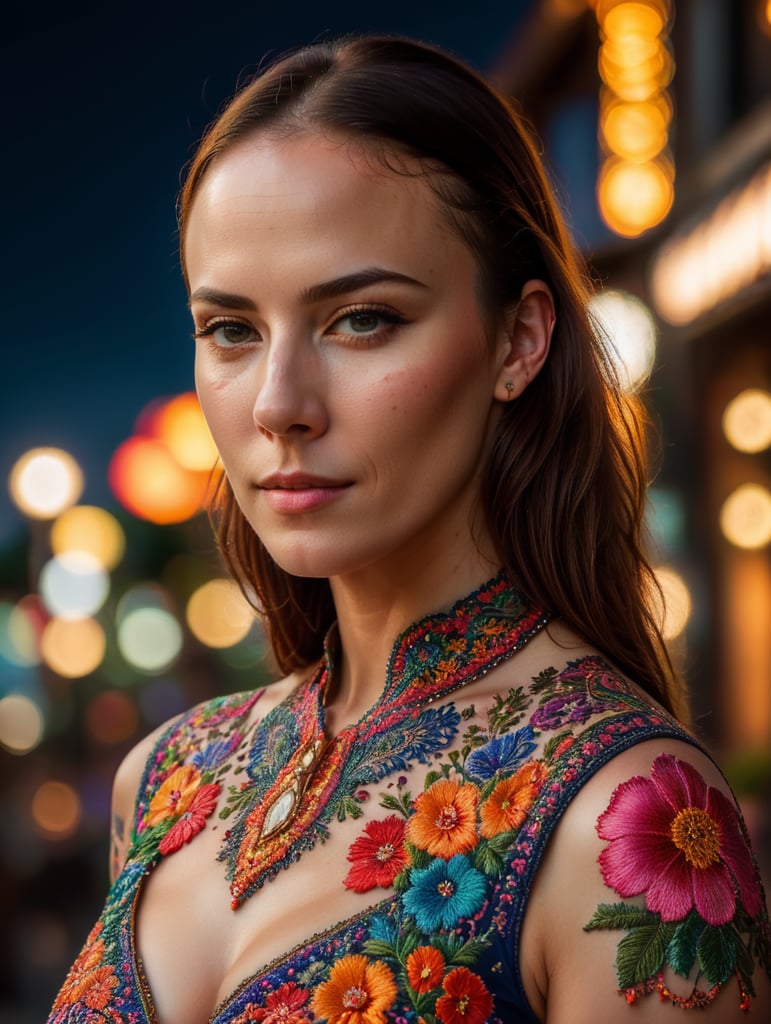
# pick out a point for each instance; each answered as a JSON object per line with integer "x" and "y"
{"x": 655, "y": 122}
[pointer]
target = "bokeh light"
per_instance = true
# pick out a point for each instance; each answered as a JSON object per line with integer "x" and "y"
{"x": 218, "y": 615}
{"x": 73, "y": 648}
{"x": 21, "y": 724}
{"x": 73, "y": 585}
{"x": 44, "y": 482}
{"x": 92, "y": 530}
{"x": 180, "y": 424}
{"x": 635, "y": 197}
{"x": 18, "y": 635}
{"x": 56, "y": 809}
{"x": 747, "y": 421}
{"x": 629, "y": 326}
{"x": 149, "y": 634}
{"x": 111, "y": 717}
{"x": 677, "y": 608}
{"x": 151, "y": 484}
{"x": 745, "y": 518}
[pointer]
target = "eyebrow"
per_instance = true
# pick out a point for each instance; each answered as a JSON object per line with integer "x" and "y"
{"x": 316, "y": 292}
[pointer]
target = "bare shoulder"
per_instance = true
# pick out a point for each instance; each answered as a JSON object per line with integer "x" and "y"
{"x": 648, "y": 895}
{"x": 125, "y": 789}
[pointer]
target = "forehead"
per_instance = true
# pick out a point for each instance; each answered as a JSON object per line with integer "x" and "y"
{"x": 295, "y": 192}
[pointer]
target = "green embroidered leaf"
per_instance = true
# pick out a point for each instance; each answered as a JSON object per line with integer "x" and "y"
{"x": 378, "y": 948}
{"x": 488, "y": 861}
{"x": 348, "y": 806}
{"x": 545, "y": 680}
{"x": 502, "y": 842}
{"x": 469, "y": 952}
{"x": 506, "y": 711}
{"x": 621, "y": 915}
{"x": 681, "y": 951}
{"x": 402, "y": 881}
{"x": 391, "y": 803}
{"x": 448, "y": 945}
{"x": 418, "y": 858}
{"x": 744, "y": 963}
{"x": 432, "y": 777}
{"x": 717, "y": 952}
{"x": 641, "y": 953}
{"x": 467, "y": 713}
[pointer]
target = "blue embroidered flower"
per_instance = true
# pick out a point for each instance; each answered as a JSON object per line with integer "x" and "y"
{"x": 502, "y": 754}
{"x": 212, "y": 757}
{"x": 384, "y": 929}
{"x": 444, "y": 892}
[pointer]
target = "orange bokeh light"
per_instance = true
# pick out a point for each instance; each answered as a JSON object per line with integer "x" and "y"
{"x": 151, "y": 484}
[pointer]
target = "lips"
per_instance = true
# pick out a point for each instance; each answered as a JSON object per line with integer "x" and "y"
{"x": 295, "y": 493}
{"x": 298, "y": 482}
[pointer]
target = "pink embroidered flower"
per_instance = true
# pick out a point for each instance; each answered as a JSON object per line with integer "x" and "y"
{"x": 192, "y": 820}
{"x": 377, "y": 856}
{"x": 680, "y": 842}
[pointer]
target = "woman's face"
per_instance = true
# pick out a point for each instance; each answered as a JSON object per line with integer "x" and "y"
{"x": 342, "y": 360}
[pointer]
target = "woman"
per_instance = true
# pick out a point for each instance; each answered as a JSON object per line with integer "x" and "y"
{"x": 470, "y": 797}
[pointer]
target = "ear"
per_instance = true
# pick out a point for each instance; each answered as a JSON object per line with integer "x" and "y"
{"x": 524, "y": 340}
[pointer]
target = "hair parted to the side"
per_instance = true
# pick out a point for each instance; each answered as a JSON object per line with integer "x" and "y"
{"x": 564, "y": 489}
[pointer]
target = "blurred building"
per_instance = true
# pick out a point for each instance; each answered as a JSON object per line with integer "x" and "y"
{"x": 683, "y": 89}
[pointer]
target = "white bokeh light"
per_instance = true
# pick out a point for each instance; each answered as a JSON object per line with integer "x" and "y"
{"x": 74, "y": 585}
{"x": 629, "y": 327}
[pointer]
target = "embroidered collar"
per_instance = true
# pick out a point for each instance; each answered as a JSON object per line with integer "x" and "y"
{"x": 300, "y": 780}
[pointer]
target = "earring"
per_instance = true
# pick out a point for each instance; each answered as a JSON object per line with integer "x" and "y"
{"x": 509, "y": 387}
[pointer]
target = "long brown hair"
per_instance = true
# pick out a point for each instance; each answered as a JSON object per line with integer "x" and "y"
{"x": 564, "y": 488}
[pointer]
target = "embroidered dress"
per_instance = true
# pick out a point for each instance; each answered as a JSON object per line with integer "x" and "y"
{"x": 447, "y": 851}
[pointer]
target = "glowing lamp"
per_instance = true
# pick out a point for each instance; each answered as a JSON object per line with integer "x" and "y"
{"x": 634, "y": 197}
{"x": 45, "y": 481}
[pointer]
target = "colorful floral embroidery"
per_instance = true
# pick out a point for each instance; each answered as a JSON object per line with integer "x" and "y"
{"x": 466, "y": 999}
{"x": 358, "y": 991}
{"x": 377, "y": 856}
{"x": 439, "y": 949}
{"x": 680, "y": 842}
{"x": 507, "y": 806}
{"x": 445, "y": 819}
{"x": 287, "y": 1005}
{"x": 425, "y": 968}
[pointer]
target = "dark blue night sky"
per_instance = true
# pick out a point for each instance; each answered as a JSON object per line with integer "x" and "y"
{"x": 102, "y": 106}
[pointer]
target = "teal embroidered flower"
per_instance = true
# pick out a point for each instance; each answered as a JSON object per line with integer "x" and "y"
{"x": 444, "y": 892}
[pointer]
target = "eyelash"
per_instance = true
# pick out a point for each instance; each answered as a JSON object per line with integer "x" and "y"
{"x": 389, "y": 316}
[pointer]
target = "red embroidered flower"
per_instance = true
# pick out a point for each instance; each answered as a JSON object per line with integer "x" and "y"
{"x": 192, "y": 820}
{"x": 466, "y": 999}
{"x": 680, "y": 842}
{"x": 287, "y": 1005}
{"x": 378, "y": 855}
{"x": 445, "y": 819}
{"x": 425, "y": 968}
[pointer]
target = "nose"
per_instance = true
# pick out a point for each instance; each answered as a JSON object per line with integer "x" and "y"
{"x": 289, "y": 399}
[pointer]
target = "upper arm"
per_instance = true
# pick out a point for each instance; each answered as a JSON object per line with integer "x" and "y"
{"x": 631, "y": 888}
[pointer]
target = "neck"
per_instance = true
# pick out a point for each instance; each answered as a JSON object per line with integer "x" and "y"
{"x": 374, "y": 608}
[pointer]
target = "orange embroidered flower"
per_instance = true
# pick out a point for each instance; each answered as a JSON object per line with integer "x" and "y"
{"x": 445, "y": 819}
{"x": 466, "y": 999}
{"x": 507, "y": 806}
{"x": 88, "y": 960}
{"x": 425, "y": 968}
{"x": 377, "y": 856}
{"x": 358, "y": 991}
{"x": 95, "y": 989}
{"x": 175, "y": 795}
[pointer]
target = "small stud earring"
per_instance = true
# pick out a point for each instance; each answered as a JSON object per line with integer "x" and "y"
{"x": 509, "y": 387}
